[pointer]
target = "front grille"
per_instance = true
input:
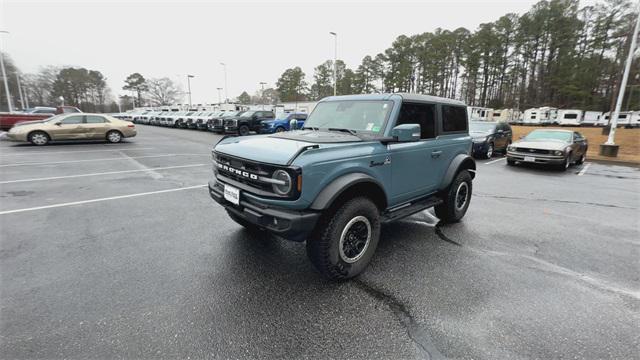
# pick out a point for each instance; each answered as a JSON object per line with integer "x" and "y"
{"x": 533, "y": 151}
{"x": 248, "y": 166}
{"x": 229, "y": 123}
{"x": 217, "y": 122}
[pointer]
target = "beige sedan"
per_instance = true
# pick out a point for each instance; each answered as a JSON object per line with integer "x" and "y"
{"x": 73, "y": 127}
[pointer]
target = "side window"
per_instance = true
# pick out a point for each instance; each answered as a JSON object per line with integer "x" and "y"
{"x": 301, "y": 117}
{"x": 454, "y": 118}
{"x": 421, "y": 114}
{"x": 93, "y": 119}
{"x": 72, "y": 120}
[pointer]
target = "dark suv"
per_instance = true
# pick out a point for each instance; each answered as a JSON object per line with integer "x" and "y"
{"x": 247, "y": 121}
{"x": 489, "y": 137}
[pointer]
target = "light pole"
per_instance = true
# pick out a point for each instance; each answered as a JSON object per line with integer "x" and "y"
{"x": 226, "y": 94}
{"x": 335, "y": 62}
{"x": 189, "y": 88}
{"x": 262, "y": 84}
{"x": 4, "y": 74}
{"x": 219, "y": 96}
{"x": 610, "y": 148}
{"x": 20, "y": 91}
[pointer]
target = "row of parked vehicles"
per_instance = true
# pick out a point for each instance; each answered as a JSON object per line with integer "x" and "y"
{"x": 553, "y": 116}
{"x": 236, "y": 122}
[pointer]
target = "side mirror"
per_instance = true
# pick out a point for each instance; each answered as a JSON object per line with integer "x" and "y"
{"x": 58, "y": 123}
{"x": 406, "y": 132}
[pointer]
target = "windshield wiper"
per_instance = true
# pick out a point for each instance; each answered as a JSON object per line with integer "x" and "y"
{"x": 352, "y": 132}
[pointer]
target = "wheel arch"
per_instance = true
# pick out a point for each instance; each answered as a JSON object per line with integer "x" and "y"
{"x": 347, "y": 187}
{"x": 459, "y": 163}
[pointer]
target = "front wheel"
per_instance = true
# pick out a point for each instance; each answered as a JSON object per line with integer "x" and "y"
{"x": 279, "y": 129}
{"x": 489, "y": 152}
{"x": 243, "y": 130}
{"x": 456, "y": 199}
{"x": 114, "y": 136}
{"x": 582, "y": 159}
{"x": 39, "y": 138}
{"x": 344, "y": 242}
{"x": 566, "y": 163}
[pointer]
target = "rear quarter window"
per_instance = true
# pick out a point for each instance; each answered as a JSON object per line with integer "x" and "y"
{"x": 454, "y": 118}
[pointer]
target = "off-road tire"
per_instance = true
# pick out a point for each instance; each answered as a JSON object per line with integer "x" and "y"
{"x": 450, "y": 210}
{"x": 39, "y": 138}
{"x": 244, "y": 223}
{"x": 323, "y": 247}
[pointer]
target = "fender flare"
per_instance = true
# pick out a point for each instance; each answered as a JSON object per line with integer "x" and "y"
{"x": 461, "y": 161}
{"x": 337, "y": 187}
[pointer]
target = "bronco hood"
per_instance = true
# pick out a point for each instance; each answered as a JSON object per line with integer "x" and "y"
{"x": 281, "y": 148}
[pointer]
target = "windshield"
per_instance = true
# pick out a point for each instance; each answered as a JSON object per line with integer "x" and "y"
{"x": 357, "y": 115}
{"x": 248, "y": 113}
{"x": 549, "y": 135}
{"x": 481, "y": 127}
{"x": 232, "y": 113}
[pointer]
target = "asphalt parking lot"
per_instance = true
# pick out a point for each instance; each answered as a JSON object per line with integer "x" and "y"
{"x": 117, "y": 251}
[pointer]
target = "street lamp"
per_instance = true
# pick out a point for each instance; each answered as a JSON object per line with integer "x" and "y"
{"x": 335, "y": 62}
{"x": 226, "y": 94}
{"x": 262, "y": 83}
{"x": 610, "y": 148}
{"x": 219, "y": 96}
{"x": 189, "y": 88}
{"x": 4, "y": 74}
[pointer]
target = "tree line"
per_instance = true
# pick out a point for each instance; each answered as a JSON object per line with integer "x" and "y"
{"x": 556, "y": 54}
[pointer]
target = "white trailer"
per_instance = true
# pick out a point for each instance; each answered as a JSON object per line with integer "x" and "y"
{"x": 505, "y": 115}
{"x": 625, "y": 118}
{"x": 540, "y": 116}
{"x": 591, "y": 118}
{"x": 477, "y": 113}
{"x": 570, "y": 117}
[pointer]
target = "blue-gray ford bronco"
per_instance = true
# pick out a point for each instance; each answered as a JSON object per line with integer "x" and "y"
{"x": 359, "y": 161}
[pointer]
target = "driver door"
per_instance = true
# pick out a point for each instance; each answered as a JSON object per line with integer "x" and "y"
{"x": 414, "y": 164}
{"x": 69, "y": 128}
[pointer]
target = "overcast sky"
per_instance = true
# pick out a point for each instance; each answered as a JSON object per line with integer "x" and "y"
{"x": 257, "y": 40}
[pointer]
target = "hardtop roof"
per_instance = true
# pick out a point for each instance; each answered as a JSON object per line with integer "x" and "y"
{"x": 404, "y": 96}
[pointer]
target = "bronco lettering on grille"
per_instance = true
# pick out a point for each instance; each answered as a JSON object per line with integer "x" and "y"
{"x": 242, "y": 173}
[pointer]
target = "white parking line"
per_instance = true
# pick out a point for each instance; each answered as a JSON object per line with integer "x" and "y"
{"x": 99, "y": 200}
{"x": 29, "y": 153}
{"x": 100, "y": 173}
{"x": 103, "y": 159}
{"x": 584, "y": 168}
{"x": 494, "y": 161}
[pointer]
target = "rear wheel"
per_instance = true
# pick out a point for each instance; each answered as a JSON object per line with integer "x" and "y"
{"x": 456, "y": 199}
{"x": 243, "y": 130}
{"x": 39, "y": 138}
{"x": 114, "y": 136}
{"x": 344, "y": 242}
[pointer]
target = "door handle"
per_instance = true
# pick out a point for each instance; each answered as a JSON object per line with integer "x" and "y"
{"x": 436, "y": 154}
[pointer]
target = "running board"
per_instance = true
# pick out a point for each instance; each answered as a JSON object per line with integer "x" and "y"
{"x": 408, "y": 209}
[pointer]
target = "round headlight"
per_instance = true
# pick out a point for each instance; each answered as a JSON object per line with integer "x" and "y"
{"x": 284, "y": 182}
{"x": 511, "y": 148}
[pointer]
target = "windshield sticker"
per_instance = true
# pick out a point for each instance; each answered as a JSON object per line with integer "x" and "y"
{"x": 369, "y": 126}
{"x": 375, "y": 128}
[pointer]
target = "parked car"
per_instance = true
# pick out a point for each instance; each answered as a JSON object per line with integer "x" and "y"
{"x": 217, "y": 125}
{"x": 282, "y": 123}
{"x": 359, "y": 162}
{"x": 73, "y": 127}
{"x": 555, "y": 147}
{"x": 202, "y": 120}
{"x": 247, "y": 121}
{"x": 7, "y": 120}
{"x": 489, "y": 137}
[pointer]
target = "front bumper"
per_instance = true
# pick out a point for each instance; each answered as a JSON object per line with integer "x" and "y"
{"x": 479, "y": 148}
{"x": 289, "y": 224}
{"x": 538, "y": 158}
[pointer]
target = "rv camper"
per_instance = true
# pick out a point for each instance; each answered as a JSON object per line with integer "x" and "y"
{"x": 625, "y": 118}
{"x": 506, "y": 115}
{"x": 480, "y": 113}
{"x": 569, "y": 117}
{"x": 540, "y": 116}
{"x": 591, "y": 118}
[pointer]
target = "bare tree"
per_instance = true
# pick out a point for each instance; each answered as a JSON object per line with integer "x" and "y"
{"x": 163, "y": 91}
